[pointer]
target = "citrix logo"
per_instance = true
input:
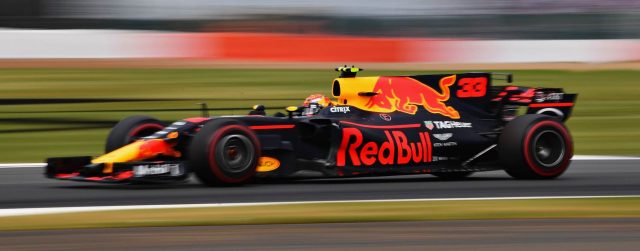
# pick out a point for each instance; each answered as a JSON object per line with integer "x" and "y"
{"x": 342, "y": 109}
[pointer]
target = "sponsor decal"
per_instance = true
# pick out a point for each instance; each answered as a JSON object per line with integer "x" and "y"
{"x": 396, "y": 150}
{"x": 445, "y": 144}
{"x": 155, "y": 169}
{"x": 440, "y": 158}
{"x": 405, "y": 94}
{"x": 550, "y": 110}
{"x": 429, "y": 125}
{"x": 442, "y": 136}
{"x": 542, "y": 97}
{"x": 342, "y": 109}
{"x": 266, "y": 164}
{"x": 173, "y": 135}
{"x": 446, "y": 124}
{"x": 385, "y": 117}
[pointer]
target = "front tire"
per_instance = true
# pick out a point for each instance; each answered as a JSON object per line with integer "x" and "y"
{"x": 535, "y": 146}
{"x": 130, "y": 129}
{"x": 224, "y": 152}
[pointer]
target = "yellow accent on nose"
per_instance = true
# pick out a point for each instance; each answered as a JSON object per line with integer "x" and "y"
{"x": 136, "y": 151}
{"x": 122, "y": 154}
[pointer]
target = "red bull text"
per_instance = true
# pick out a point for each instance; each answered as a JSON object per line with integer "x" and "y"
{"x": 396, "y": 150}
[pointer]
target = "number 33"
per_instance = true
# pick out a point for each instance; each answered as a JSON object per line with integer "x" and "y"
{"x": 472, "y": 87}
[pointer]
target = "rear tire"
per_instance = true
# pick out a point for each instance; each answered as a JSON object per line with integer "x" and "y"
{"x": 452, "y": 175}
{"x": 130, "y": 129}
{"x": 535, "y": 146}
{"x": 224, "y": 152}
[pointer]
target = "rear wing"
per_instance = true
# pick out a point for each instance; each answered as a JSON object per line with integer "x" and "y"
{"x": 553, "y": 102}
{"x": 548, "y": 101}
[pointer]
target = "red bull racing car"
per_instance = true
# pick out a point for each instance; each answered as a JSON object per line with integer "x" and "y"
{"x": 448, "y": 125}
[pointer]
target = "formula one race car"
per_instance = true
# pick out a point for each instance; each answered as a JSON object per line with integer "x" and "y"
{"x": 448, "y": 125}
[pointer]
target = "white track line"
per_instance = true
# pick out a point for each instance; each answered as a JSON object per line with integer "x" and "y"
{"x": 60, "y": 210}
{"x": 575, "y": 157}
{"x": 603, "y": 157}
{"x": 22, "y": 165}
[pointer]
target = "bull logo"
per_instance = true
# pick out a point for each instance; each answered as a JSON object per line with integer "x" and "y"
{"x": 404, "y": 94}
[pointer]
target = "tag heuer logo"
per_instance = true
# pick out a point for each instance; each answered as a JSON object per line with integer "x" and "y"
{"x": 446, "y": 124}
{"x": 429, "y": 125}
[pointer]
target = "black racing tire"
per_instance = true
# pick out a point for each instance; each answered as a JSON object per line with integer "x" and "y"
{"x": 130, "y": 129}
{"x": 535, "y": 146}
{"x": 223, "y": 153}
{"x": 452, "y": 175}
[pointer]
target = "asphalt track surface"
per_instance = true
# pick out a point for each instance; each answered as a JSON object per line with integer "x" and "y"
{"x": 27, "y": 188}
{"x": 552, "y": 234}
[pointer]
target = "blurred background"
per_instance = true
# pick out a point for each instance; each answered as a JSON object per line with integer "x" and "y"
{"x": 70, "y": 69}
{"x": 427, "y": 31}
{"x": 489, "y": 19}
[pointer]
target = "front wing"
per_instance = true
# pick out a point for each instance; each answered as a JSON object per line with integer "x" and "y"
{"x": 81, "y": 169}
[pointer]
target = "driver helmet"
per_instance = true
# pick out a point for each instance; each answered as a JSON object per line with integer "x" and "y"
{"x": 314, "y": 103}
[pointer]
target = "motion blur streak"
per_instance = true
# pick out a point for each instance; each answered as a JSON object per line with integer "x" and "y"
{"x": 59, "y": 210}
{"x": 263, "y": 47}
{"x": 433, "y": 31}
{"x": 494, "y": 235}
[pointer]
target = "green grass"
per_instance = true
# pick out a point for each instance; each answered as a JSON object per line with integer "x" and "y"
{"x": 604, "y": 122}
{"x": 335, "y": 212}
